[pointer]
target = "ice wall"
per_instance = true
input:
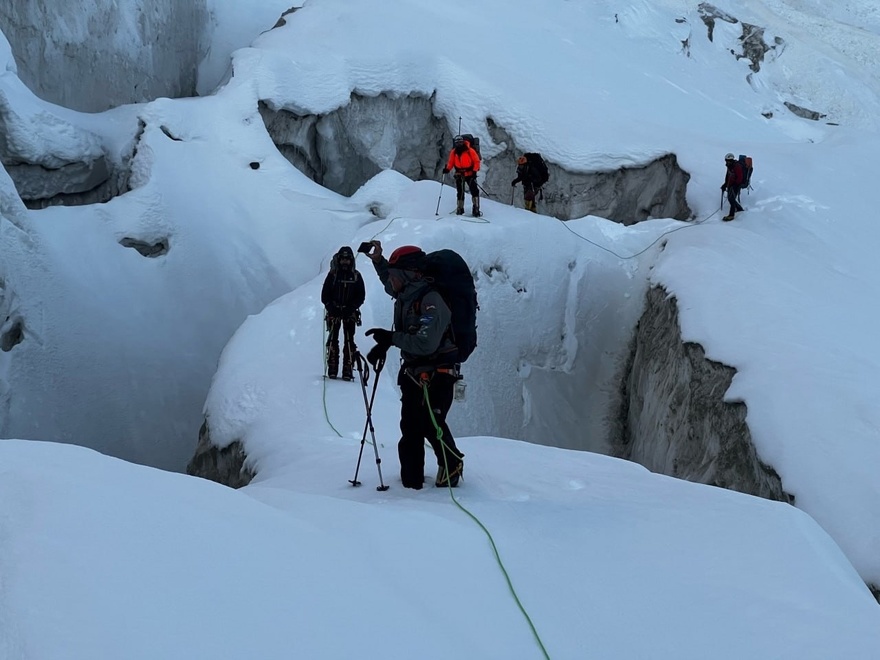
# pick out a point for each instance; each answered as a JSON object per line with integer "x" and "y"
{"x": 91, "y": 55}
{"x": 674, "y": 419}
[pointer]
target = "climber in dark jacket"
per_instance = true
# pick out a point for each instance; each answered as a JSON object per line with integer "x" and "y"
{"x": 342, "y": 295}
{"x": 526, "y": 174}
{"x": 733, "y": 182}
{"x": 421, "y": 332}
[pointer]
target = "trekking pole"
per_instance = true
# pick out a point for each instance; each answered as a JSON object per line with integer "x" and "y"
{"x": 442, "y": 181}
{"x": 364, "y": 372}
{"x": 364, "y": 376}
{"x": 512, "y": 194}
{"x": 352, "y": 349}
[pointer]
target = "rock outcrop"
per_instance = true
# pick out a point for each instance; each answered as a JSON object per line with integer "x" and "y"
{"x": 227, "y": 466}
{"x": 674, "y": 419}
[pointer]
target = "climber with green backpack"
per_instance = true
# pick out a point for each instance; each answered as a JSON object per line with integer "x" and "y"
{"x": 435, "y": 305}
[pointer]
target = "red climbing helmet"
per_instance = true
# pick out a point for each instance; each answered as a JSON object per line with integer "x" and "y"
{"x": 407, "y": 257}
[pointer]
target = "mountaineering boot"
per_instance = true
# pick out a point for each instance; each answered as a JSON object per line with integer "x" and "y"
{"x": 332, "y": 361}
{"x": 532, "y": 206}
{"x": 475, "y": 211}
{"x": 456, "y": 467}
{"x": 728, "y": 218}
{"x": 459, "y": 207}
{"x": 346, "y": 370}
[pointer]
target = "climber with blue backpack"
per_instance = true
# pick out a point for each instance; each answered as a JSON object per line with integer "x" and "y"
{"x": 435, "y": 329}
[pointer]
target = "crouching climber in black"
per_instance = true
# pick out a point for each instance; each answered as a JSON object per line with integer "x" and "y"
{"x": 342, "y": 295}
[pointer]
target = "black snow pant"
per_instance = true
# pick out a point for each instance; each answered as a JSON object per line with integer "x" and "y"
{"x": 471, "y": 181}
{"x": 732, "y": 194}
{"x": 333, "y": 325}
{"x": 529, "y": 194}
{"x": 416, "y": 425}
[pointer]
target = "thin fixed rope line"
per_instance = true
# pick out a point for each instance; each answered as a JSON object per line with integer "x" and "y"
{"x": 482, "y": 526}
{"x": 650, "y": 245}
{"x": 324, "y": 379}
{"x": 386, "y": 226}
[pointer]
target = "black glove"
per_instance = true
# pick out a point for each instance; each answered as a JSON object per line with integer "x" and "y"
{"x": 514, "y": 182}
{"x": 376, "y": 354}
{"x": 445, "y": 170}
{"x": 382, "y": 337}
{"x": 724, "y": 187}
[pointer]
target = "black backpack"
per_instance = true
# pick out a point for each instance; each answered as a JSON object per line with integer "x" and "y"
{"x": 451, "y": 277}
{"x": 539, "y": 168}
{"x": 475, "y": 142}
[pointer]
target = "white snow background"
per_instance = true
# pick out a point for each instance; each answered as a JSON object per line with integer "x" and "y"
{"x": 102, "y": 558}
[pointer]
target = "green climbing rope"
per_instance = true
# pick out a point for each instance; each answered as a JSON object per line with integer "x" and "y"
{"x": 482, "y": 526}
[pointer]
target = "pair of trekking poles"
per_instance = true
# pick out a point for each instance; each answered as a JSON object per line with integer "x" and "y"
{"x": 364, "y": 375}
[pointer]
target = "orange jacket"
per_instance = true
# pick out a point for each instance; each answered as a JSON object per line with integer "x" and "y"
{"x": 465, "y": 162}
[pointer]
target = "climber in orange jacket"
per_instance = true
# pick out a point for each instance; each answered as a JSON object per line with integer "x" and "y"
{"x": 466, "y": 162}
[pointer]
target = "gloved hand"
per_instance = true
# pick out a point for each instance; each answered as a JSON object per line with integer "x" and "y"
{"x": 445, "y": 170}
{"x": 723, "y": 187}
{"x": 376, "y": 354}
{"x": 381, "y": 336}
{"x": 513, "y": 183}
